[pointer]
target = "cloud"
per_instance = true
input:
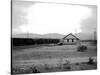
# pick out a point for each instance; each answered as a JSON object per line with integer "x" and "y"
{"x": 59, "y": 18}
{"x": 19, "y": 13}
{"x": 44, "y": 17}
{"x": 89, "y": 24}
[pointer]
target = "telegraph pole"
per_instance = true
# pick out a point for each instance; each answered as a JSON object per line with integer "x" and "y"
{"x": 95, "y": 34}
{"x": 27, "y": 31}
{"x": 75, "y": 30}
{"x": 27, "y": 34}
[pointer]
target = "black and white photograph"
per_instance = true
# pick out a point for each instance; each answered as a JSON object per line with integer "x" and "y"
{"x": 52, "y": 37}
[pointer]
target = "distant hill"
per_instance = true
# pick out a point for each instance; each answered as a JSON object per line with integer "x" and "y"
{"x": 82, "y": 36}
{"x": 51, "y": 35}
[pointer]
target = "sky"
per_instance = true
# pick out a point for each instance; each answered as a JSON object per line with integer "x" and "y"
{"x": 44, "y": 18}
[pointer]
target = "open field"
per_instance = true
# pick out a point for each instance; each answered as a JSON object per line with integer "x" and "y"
{"x": 49, "y": 58}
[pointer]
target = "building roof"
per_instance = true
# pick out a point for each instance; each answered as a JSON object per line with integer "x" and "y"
{"x": 71, "y": 35}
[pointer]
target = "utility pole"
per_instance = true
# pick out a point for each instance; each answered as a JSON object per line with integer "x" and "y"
{"x": 76, "y": 30}
{"x": 95, "y": 34}
{"x": 27, "y": 31}
{"x": 27, "y": 34}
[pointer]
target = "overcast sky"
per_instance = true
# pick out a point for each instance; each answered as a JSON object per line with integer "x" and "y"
{"x": 43, "y": 18}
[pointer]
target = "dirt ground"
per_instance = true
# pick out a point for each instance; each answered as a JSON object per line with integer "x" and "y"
{"x": 24, "y": 57}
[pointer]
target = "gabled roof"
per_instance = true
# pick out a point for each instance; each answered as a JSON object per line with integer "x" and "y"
{"x": 71, "y": 35}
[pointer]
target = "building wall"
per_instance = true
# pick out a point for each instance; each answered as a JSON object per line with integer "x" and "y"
{"x": 70, "y": 41}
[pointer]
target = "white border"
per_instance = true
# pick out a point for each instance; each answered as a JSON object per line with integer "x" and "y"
{"x": 5, "y": 28}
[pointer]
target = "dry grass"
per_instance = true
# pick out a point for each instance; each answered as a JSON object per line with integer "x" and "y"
{"x": 50, "y": 58}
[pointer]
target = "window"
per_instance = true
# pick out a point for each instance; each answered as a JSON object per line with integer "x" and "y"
{"x": 72, "y": 40}
{"x": 67, "y": 40}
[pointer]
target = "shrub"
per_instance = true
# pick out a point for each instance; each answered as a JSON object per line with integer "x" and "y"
{"x": 77, "y": 63}
{"x": 82, "y": 48}
{"x": 17, "y": 70}
{"x": 33, "y": 69}
{"x": 60, "y": 44}
{"x": 25, "y": 71}
{"x": 67, "y": 65}
{"x": 91, "y": 61}
{"x": 46, "y": 66}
